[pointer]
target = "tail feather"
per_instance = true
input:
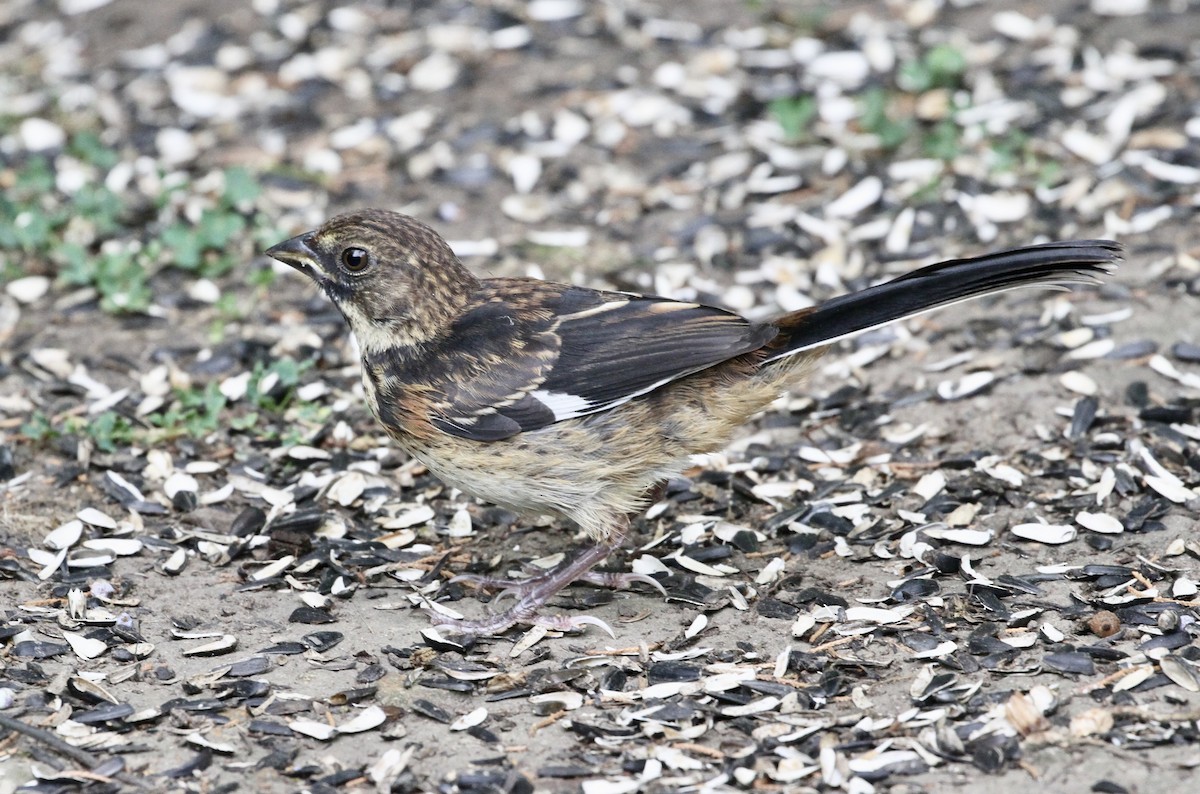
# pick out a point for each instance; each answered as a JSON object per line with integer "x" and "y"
{"x": 1049, "y": 266}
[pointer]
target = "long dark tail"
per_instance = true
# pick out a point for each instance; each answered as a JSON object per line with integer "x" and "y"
{"x": 1051, "y": 265}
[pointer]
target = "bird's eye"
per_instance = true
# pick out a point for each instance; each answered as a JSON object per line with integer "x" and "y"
{"x": 355, "y": 260}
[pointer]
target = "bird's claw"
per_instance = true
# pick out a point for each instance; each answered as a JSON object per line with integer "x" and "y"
{"x": 519, "y": 588}
{"x": 499, "y": 623}
{"x": 532, "y": 594}
{"x": 619, "y": 581}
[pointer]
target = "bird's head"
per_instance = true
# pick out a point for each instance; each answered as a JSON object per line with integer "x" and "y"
{"x": 393, "y": 278}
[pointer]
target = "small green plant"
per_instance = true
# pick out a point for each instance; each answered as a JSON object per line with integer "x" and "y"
{"x": 1016, "y": 152}
{"x": 942, "y": 140}
{"x": 247, "y": 421}
{"x": 91, "y": 235}
{"x": 287, "y": 373}
{"x": 1049, "y": 173}
{"x": 24, "y": 223}
{"x": 88, "y": 147}
{"x": 108, "y": 430}
{"x": 794, "y": 115}
{"x": 207, "y": 247}
{"x": 194, "y": 412}
{"x": 39, "y": 428}
{"x": 941, "y": 67}
{"x": 118, "y": 275}
{"x": 876, "y": 120}
{"x": 1009, "y": 153}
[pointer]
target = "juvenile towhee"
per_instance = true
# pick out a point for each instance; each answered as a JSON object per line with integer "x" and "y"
{"x": 554, "y": 399}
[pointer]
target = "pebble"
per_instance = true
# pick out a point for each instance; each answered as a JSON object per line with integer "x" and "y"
{"x": 204, "y": 290}
{"x": 1171, "y": 488}
{"x": 175, "y": 147}
{"x": 965, "y": 386}
{"x": 553, "y": 10}
{"x": 64, "y": 536}
{"x": 858, "y": 198}
{"x": 1076, "y": 337}
{"x": 40, "y": 135}
{"x": 1104, "y": 623}
{"x": 1184, "y": 587}
{"x": 1099, "y": 522}
{"x": 202, "y": 91}
{"x": 511, "y": 38}
{"x": 436, "y": 72}
{"x": 998, "y": 207}
{"x": 1079, "y": 383}
{"x": 1052, "y": 534}
{"x": 96, "y": 518}
{"x": 1119, "y": 8}
{"x": 525, "y": 170}
{"x": 560, "y": 238}
{"x": 28, "y": 289}
{"x": 1186, "y": 351}
{"x": 353, "y": 135}
{"x": 847, "y": 69}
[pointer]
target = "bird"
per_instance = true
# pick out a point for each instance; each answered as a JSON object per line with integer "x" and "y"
{"x": 577, "y": 403}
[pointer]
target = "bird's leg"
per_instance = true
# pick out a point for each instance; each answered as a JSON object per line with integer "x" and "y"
{"x": 532, "y": 594}
{"x": 517, "y": 589}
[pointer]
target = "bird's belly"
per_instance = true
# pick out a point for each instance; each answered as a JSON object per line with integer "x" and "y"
{"x": 508, "y": 477}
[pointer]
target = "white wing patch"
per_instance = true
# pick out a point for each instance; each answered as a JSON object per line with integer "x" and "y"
{"x": 563, "y": 405}
{"x": 569, "y": 406}
{"x": 601, "y": 308}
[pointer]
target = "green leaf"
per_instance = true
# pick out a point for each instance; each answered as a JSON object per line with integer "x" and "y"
{"x": 941, "y": 67}
{"x": 109, "y": 429}
{"x": 87, "y": 147}
{"x": 240, "y": 187}
{"x": 875, "y": 120}
{"x": 914, "y": 77}
{"x": 38, "y": 427}
{"x": 101, "y": 206}
{"x": 794, "y": 115}
{"x": 35, "y": 179}
{"x": 121, "y": 281}
{"x": 75, "y": 266}
{"x": 184, "y": 245}
{"x": 32, "y": 230}
{"x": 218, "y": 228}
{"x": 288, "y": 370}
{"x": 946, "y": 66}
{"x": 214, "y": 401}
{"x": 246, "y": 422}
{"x": 261, "y": 277}
{"x": 942, "y": 141}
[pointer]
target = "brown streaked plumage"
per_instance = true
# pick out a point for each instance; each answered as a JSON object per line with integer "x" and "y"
{"x": 553, "y": 399}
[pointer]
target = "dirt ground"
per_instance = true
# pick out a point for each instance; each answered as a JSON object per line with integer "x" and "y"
{"x": 200, "y": 733}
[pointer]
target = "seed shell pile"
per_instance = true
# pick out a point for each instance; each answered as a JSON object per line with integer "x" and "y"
{"x": 968, "y": 555}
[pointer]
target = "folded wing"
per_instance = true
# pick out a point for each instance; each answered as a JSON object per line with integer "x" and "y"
{"x": 535, "y": 354}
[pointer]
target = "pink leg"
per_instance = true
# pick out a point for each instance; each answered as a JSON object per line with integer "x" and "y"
{"x": 517, "y": 588}
{"x": 532, "y": 595}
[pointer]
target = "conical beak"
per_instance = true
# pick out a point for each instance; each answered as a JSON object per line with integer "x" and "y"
{"x": 298, "y": 253}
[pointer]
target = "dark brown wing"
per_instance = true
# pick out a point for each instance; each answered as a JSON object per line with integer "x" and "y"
{"x": 530, "y": 354}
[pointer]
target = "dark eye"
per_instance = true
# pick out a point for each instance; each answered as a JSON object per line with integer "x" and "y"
{"x": 355, "y": 260}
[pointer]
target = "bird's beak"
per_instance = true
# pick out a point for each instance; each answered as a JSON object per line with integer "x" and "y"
{"x": 298, "y": 253}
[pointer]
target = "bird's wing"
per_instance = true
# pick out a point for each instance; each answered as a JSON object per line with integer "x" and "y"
{"x": 532, "y": 354}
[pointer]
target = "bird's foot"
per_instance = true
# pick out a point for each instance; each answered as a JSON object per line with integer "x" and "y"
{"x": 518, "y": 588}
{"x": 532, "y": 594}
{"x": 501, "y": 622}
